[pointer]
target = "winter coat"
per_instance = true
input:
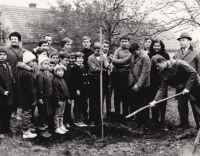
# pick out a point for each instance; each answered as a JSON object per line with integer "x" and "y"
{"x": 140, "y": 70}
{"x": 26, "y": 88}
{"x": 6, "y": 84}
{"x": 87, "y": 53}
{"x": 60, "y": 90}
{"x": 79, "y": 81}
{"x": 14, "y": 57}
{"x": 43, "y": 83}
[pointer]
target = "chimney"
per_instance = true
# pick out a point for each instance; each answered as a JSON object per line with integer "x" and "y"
{"x": 32, "y": 5}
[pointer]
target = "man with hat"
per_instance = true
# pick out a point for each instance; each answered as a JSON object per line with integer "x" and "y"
{"x": 192, "y": 57}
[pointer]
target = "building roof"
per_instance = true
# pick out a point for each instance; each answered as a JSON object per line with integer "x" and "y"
{"x": 20, "y": 17}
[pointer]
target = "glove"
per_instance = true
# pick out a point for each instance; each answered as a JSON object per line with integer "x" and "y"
{"x": 185, "y": 91}
{"x": 153, "y": 103}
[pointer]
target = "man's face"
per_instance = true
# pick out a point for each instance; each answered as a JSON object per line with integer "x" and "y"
{"x": 105, "y": 48}
{"x": 3, "y": 56}
{"x": 60, "y": 72}
{"x": 161, "y": 66}
{"x": 97, "y": 52}
{"x": 45, "y": 65}
{"x": 184, "y": 42}
{"x": 68, "y": 46}
{"x": 86, "y": 44}
{"x": 64, "y": 61}
{"x": 147, "y": 44}
{"x": 125, "y": 43}
{"x": 48, "y": 39}
{"x": 45, "y": 46}
{"x": 55, "y": 58}
{"x": 157, "y": 47}
{"x": 14, "y": 41}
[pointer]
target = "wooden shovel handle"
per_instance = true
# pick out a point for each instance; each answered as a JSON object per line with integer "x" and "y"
{"x": 130, "y": 115}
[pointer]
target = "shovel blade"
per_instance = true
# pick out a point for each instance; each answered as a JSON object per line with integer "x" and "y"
{"x": 187, "y": 151}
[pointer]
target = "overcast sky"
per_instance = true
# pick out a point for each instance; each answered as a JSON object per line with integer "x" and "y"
{"x": 48, "y": 3}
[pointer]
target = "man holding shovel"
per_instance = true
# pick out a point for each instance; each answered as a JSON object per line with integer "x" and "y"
{"x": 180, "y": 75}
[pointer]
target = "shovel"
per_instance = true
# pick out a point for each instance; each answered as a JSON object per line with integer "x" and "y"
{"x": 189, "y": 150}
{"x": 139, "y": 110}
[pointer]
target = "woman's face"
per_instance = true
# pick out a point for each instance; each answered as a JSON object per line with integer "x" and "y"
{"x": 147, "y": 44}
{"x": 157, "y": 47}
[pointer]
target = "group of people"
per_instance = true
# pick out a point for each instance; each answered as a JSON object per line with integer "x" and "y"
{"x": 50, "y": 80}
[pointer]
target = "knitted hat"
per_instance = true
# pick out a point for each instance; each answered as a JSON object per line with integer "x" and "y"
{"x": 3, "y": 49}
{"x": 42, "y": 58}
{"x": 28, "y": 56}
{"x": 58, "y": 67}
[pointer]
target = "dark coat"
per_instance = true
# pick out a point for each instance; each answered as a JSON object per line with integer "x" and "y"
{"x": 179, "y": 74}
{"x": 79, "y": 80}
{"x": 140, "y": 70}
{"x": 60, "y": 90}
{"x": 191, "y": 56}
{"x": 87, "y": 53}
{"x": 155, "y": 79}
{"x": 43, "y": 83}
{"x": 14, "y": 56}
{"x": 6, "y": 84}
{"x": 26, "y": 88}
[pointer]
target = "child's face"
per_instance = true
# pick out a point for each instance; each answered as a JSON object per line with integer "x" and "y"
{"x": 157, "y": 47}
{"x": 86, "y": 43}
{"x": 45, "y": 65}
{"x": 124, "y": 43}
{"x": 55, "y": 58}
{"x": 3, "y": 56}
{"x": 45, "y": 46}
{"x": 14, "y": 41}
{"x": 105, "y": 48}
{"x": 60, "y": 72}
{"x": 64, "y": 61}
{"x": 68, "y": 46}
{"x": 43, "y": 53}
{"x": 147, "y": 44}
{"x": 51, "y": 66}
{"x": 79, "y": 60}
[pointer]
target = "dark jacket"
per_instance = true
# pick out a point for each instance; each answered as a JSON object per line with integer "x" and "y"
{"x": 6, "y": 84}
{"x": 87, "y": 53}
{"x": 155, "y": 79}
{"x": 26, "y": 88}
{"x": 191, "y": 56}
{"x": 140, "y": 70}
{"x": 43, "y": 83}
{"x": 14, "y": 56}
{"x": 60, "y": 90}
{"x": 179, "y": 74}
{"x": 79, "y": 81}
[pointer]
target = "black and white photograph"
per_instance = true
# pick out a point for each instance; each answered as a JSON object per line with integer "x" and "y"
{"x": 99, "y": 78}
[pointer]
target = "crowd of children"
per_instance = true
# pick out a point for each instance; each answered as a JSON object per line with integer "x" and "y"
{"x": 50, "y": 80}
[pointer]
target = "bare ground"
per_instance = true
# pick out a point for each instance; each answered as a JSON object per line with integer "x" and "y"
{"x": 119, "y": 140}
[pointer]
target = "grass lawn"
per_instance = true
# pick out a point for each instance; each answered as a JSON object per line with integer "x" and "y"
{"x": 119, "y": 140}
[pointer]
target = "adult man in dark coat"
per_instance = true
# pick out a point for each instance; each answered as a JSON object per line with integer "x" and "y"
{"x": 192, "y": 57}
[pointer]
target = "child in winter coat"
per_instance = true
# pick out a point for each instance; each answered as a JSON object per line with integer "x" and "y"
{"x": 80, "y": 83}
{"x": 44, "y": 92}
{"x": 27, "y": 93}
{"x": 60, "y": 98}
{"x": 6, "y": 93}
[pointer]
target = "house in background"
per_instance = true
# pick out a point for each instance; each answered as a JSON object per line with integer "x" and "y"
{"x": 15, "y": 18}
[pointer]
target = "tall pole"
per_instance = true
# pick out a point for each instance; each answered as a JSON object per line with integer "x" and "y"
{"x": 101, "y": 85}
